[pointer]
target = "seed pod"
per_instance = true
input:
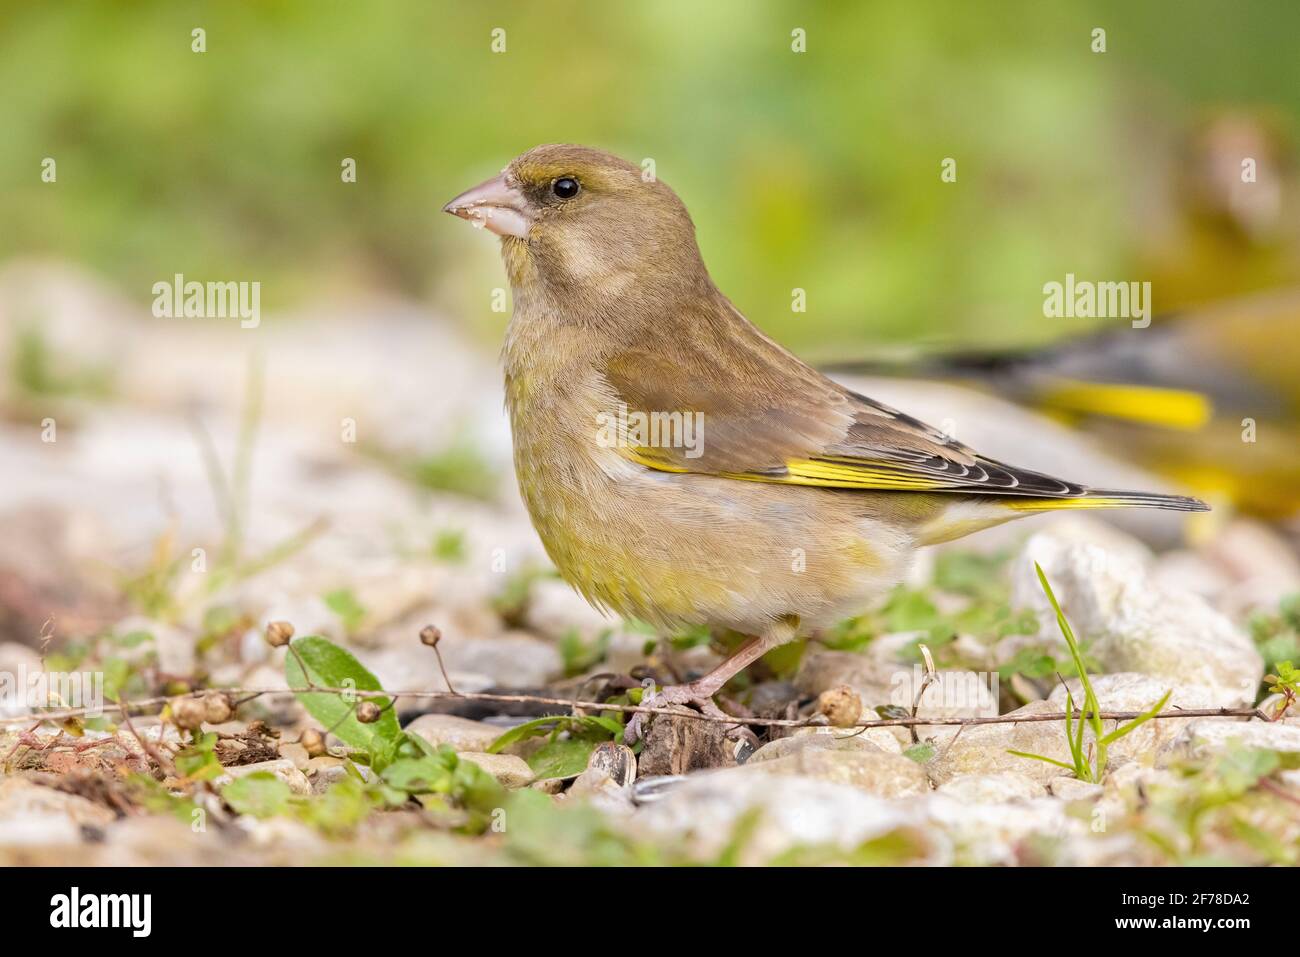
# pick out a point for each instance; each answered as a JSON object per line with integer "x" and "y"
{"x": 217, "y": 707}
{"x": 188, "y": 713}
{"x": 368, "y": 712}
{"x": 430, "y": 635}
{"x": 313, "y": 742}
{"x": 278, "y": 633}
{"x": 842, "y": 706}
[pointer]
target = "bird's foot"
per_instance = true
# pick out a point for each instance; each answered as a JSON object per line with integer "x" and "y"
{"x": 697, "y": 694}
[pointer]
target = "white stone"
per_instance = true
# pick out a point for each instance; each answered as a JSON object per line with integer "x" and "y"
{"x": 509, "y": 770}
{"x": 1129, "y": 622}
{"x": 283, "y": 768}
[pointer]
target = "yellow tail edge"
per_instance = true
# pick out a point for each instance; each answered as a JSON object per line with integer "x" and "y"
{"x": 1106, "y": 498}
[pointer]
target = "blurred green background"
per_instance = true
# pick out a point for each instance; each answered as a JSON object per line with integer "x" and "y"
{"x": 817, "y": 170}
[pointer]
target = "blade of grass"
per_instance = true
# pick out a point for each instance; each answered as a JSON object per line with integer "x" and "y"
{"x": 1075, "y": 741}
{"x": 1146, "y": 716}
{"x": 1039, "y": 757}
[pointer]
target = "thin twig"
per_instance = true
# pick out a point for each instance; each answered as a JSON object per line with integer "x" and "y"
{"x": 926, "y": 680}
{"x": 443, "y": 668}
{"x": 151, "y": 704}
{"x": 148, "y": 747}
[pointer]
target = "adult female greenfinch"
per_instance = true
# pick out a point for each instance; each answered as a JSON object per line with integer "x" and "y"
{"x": 1208, "y": 397}
{"x": 680, "y": 466}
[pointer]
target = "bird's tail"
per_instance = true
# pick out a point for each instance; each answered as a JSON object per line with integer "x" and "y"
{"x": 972, "y": 513}
{"x": 1107, "y": 498}
{"x": 1072, "y": 379}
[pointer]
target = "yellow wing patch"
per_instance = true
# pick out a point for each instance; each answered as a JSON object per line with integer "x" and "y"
{"x": 1170, "y": 408}
{"x": 811, "y": 472}
{"x": 852, "y": 475}
{"x": 652, "y": 458}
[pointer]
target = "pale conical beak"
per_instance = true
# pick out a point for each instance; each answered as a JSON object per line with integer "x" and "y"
{"x": 495, "y": 206}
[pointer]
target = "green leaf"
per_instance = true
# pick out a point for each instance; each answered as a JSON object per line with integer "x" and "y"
{"x": 199, "y": 761}
{"x": 562, "y": 758}
{"x": 1090, "y": 713}
{"x": 463, "y": 783}
{"x": 920, "y": 753}
{"x": 1242, "y": 768}
{"x": 153, "y": 796}
{"x": 133, "y": 639}
{"x": 1285, "y": 678}
{"x": 198, "y": 765}
{"x": 460, "y": 468}
{"x": 449, "y": 546}
{"x": 580, "y": 655}
{"x": 384, "y": 751}
{"x": 1089, "y": 698}
{"x": 1030, "y": 662}
{"x": 529, "y": 729}
{"x": 969, "y": 573}
{"x": 343, "y": 806}
{"x": 605, "y": 723}
{"x": 599, "y": 727}
{"x": 415, "y": 745}
{"x": 344, "y": 603}
{"x": 260, "y": 794}
{"x": 1039, "y": 757}
{"x": 1075, "y": 740}
{"x": 1146, "y": 716}
{"x": 910, "y": 610}
{"x": 475, "y": 789}
{"x": 424, "y": 775}
{"x": 329, "y": 666}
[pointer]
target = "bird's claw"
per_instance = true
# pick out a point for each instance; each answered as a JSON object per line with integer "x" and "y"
{"x": 688, "y": 694}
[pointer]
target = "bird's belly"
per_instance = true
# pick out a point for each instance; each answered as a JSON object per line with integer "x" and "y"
{"x": 680, "y": 549}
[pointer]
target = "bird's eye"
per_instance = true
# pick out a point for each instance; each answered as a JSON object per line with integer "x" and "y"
{"x": 566, "y": 187}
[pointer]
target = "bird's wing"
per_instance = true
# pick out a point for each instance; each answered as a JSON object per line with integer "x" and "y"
{"x": 765, "y": 416}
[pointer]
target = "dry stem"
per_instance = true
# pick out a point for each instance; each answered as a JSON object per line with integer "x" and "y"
{"x": 247, "y": 694}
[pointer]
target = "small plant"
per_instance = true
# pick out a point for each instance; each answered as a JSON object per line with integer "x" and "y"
{"x": 1221, "y": 800}
{"x": 1277, "y": 634}
{"x": 974, "y": 603}
{"x": 460, "y": 468}
{"x": 580, "y": 655}
{"x": 921, "y": 753}
{"x": 570, "y": 741}
{"x": 404, "y": 766}
{"x": 1085, "y": 765}
{"x": 511, "y": 602}
{"x": 343, "y": 602}
{"x": 39, "y": 372}
{"x": 1038, "y": 662}
{"x": 449, "y": 546}
{"x": 1284, "y": 681}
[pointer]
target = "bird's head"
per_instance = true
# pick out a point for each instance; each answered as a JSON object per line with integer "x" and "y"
{"x": 585, "y": 220}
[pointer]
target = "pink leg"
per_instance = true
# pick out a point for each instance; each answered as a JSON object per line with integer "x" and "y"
{"x": 700, "y": 692}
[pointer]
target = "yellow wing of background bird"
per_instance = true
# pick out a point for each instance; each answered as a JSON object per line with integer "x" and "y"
{"x": 816, "y": 432}
{"x": 1208, "y": 397}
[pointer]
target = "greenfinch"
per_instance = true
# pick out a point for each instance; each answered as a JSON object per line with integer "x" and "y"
{"x": 1209, "y": 397}
{"x": 680, "y": 466}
